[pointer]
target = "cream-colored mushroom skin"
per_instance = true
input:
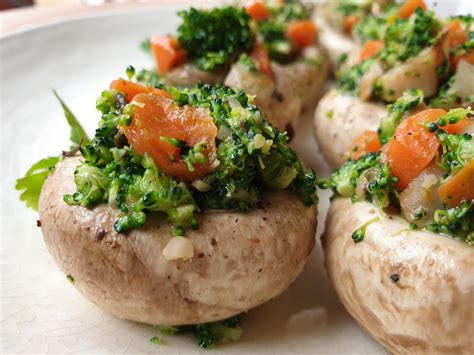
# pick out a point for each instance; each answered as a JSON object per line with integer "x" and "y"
{"x": 339, "y": 119}
{"x": 240, "y": 260}
{"x": 413, "y": 291}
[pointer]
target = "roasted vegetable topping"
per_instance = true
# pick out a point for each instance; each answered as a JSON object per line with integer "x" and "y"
{"x": 425, "y": 169}
{"x": 177, "y": 151}
{"x": 215, "y": 37}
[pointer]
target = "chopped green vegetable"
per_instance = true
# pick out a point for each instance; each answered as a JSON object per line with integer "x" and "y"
{"x": 252, "y": 156}
{"x": 70, "y": 278}
{"x": 457, "y": 222}
{"x": 458, "y": 151}
{"x": 150, "y": 78}
{"x": 156, "y": 341}
{"x": 166, "y": 329}
{"x": 359, "y": 234}
{"x": 214, "y": 37}
{"x": 379, "y": 186}
{"x": 273, "y": 30}
{"x": 247, "y": 62}
{"x": 409, "y": 100}
{"x": 209, "y": 334}
{"x": 406, "y": 38}
{"x": 349, "y": 81}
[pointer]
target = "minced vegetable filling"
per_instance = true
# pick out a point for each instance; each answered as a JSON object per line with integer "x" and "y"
{"x": 370, "y": 177}
{"x": 252, "y": 156}
{"x": 403, "y": 39}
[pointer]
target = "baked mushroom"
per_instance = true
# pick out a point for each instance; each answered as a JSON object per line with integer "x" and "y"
{"x": 187, "y": 206}
{"x": 395, "y": 70}
{"x": 400, "y": 254}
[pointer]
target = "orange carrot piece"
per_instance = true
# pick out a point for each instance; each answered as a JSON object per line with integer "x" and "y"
{"x": 458, "y": 127}
{"x": 260, "y": 54}
{"x": 302, "y": 33}
{"x": 459, "y": 187}
{"x": 167, "y": 52}
{"x": 456, "y": 35}
{"x": 132, "y": 89}
{"x": 370, "y": 49}
{"x": 409, "y": 7}
{"x": 160, "y": 119}
{"x": 349, "y": 23}
{"x": 257, "y": 10}
{"x": 468, "y": 57}
{"x": 367, "y": 142}
{"x": 412, "y": 147}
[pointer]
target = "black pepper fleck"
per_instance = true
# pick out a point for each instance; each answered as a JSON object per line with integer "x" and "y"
{"x": 395, "y": 277}
{"x": 100, "y": 234}
{"x": 38, "y": 223}
{"x": 213, "y": 241}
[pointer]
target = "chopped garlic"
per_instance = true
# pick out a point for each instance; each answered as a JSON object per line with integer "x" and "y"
{"x": 201, "y": 185}
{"x": 178, "y": 248}
{"x": 258, "y": 141}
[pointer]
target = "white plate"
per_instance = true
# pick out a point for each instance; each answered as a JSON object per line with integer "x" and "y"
{"x": 41, "y": 312}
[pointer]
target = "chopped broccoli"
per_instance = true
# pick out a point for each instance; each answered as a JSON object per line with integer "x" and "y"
{"x": 409, "y": 100}
{"x": 406, "y": 38}
{"x": 379, "y": 185}
{"x": 349, "y": 81}
{"x": 252, "y": 156}
{"x": 457, "y": 222}
{"x": 209, "y": 334}
{"x": 213, "y": 38}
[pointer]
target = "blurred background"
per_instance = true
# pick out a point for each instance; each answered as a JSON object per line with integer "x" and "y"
{"x": 17, "y": 15}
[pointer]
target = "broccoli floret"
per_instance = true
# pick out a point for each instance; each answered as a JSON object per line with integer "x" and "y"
{"x": 209, "y": 334}
{"x": 379, "y": 185}
{"x": 214, "y": 37}
{"x": 273, "y": 30}
{"x": 457, "y": 222}
{"x": 458, "y": 151}
{"x": 409, "y": 100}
{"x": 406, "y": 38}
{"x": 349, "y": 81}
{"x": 92, "y": 186}
{"x": 150, "y": 78}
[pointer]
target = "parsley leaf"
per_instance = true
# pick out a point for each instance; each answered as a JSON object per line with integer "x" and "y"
{"x": 33, "y": 181}
{"x": 78, "y": 134}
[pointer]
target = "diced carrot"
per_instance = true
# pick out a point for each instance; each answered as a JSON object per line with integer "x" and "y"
{"x": 458, "y": 127}
{"x": 459, "y": 187}
{"x": 158, "y": 120}
{"x": 257, "y": 10}
{"x": 367, "y": 142}
{"x": 468, "y": 57}
{"x": 167, "y": 52}
{"x": 302, "y": 33}
{"x": 456, "y": 35}
{"x": 260, "y": 54}
{"x": 370, "y": 49}
{"x": 412, "y": 147}
{"x": 132, "y": 89}
{"x": 409, "y": 7}
{"x": 349, "y": 23}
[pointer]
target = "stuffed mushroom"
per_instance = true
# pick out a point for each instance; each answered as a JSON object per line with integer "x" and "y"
{"x": 345, "y": 24}
{"x": 417, "y": 52}
{"x": 187, "y": 206}
{"x": 399, "y": 235}
{"x": 269, "y": 51}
